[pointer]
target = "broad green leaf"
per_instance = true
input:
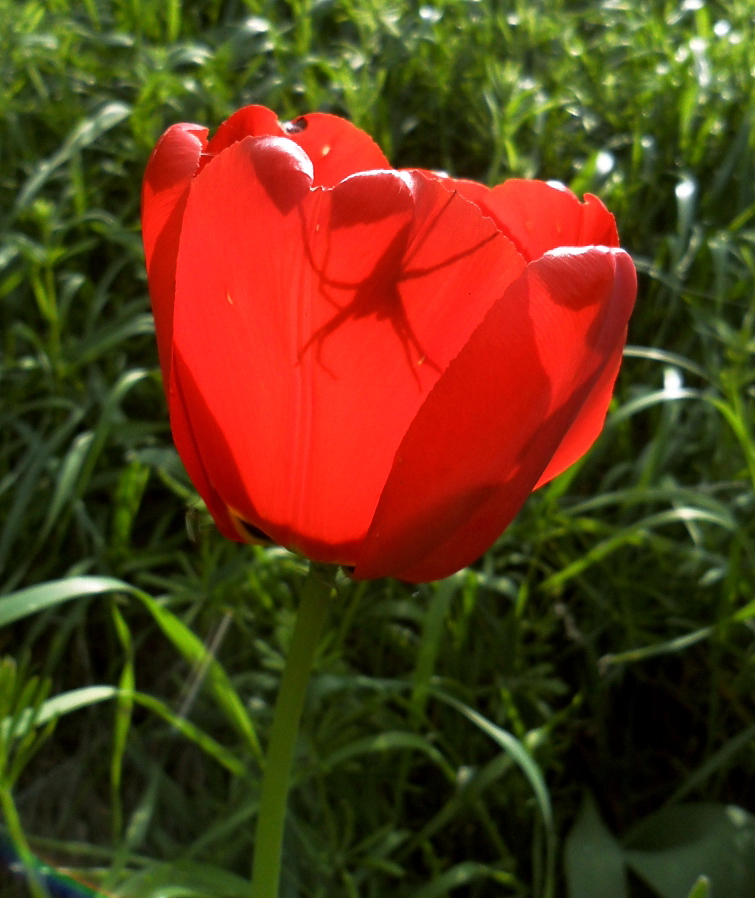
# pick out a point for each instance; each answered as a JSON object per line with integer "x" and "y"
{"x": 671, "y": 849}
{"x": 593, "y": 857}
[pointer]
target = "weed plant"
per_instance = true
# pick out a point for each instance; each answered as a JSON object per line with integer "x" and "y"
{"x": 603, "y": 648}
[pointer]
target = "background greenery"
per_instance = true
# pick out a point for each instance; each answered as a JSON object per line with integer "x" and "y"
{"x": 595, "y": 667}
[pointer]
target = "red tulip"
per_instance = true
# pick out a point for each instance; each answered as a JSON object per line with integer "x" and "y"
{"x": 373, "y": 367}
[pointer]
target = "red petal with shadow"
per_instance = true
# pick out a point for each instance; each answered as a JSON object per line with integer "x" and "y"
{"x": 312, "y": 324}
{"x": 490, "y": 427}
{"x": 589, "y": 422}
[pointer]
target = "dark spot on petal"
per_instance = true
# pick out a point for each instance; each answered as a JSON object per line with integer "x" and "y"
{"x": 297, "y": 125}
{"x": 249, "y": 532}
{"x": 254, "y": 532}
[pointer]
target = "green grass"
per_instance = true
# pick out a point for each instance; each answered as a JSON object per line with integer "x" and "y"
{"x": 607, "y": 640}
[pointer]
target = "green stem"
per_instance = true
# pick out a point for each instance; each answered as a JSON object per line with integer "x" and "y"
{"x": 20, "y": 845}
{"x": 280, "y": 753}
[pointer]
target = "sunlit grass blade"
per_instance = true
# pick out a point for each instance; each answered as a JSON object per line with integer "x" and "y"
{"x": 18, "y": 605}
{"x": 196, "y": 653}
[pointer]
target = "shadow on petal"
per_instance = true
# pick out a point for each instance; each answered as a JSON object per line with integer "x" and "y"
{"x": 497, "y": 416}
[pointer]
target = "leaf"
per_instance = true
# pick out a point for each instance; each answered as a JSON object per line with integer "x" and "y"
{"x": 56, "y": 707}
{"x": 187, "y": 879}
{"x": 593, "y": 858}
{"x": 127, "y": 500}
{"x": 17, "y": 605}
{"x": 717, "y": 761}
{"x": 84, "y": 134}
{"x": 391, "y": 740}
{"x": 123, "y": 712}
{"x": 513, "y": 747}
{"x": 196, "y": 653}
{"x": 637, "y": 533}
{"x": 671, "y": 849}
{"x": 67, "y": 480}
{"x": 432, "y": 634}
{"x": 468, "y": 792}
{"x": 460, "y": 875}
{"x": 188, "y": 730}
{"x": 39, "y": 452}
{"x": 701, "y": 888}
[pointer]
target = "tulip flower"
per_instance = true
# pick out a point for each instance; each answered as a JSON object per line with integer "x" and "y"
{"x": 373, "y": 367}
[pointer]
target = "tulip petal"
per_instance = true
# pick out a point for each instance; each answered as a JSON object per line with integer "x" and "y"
{"x": 170, "y": 170}
{"x": 491, "y": 425}
{"x": 588, "y": 423}
{"x": 336, "y": 147}
{"x": 538, "y": 217}
{"x": 186, "y": 444}
{"x": 171, "y": 167}
{"x": 249, "y": 121}
{"x": 310, "y": 326}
